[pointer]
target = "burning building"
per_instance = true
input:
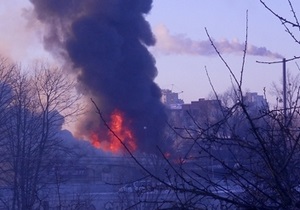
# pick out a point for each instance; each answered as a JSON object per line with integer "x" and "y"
{"x": 105, "y": 43}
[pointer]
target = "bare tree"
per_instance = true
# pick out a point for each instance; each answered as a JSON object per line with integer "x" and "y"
{"x": 246, "y": 158}
{"x": 290, "y": 24}
{"x": 34, "y": 115}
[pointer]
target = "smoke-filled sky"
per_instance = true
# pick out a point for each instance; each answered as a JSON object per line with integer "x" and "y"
{"x": 182, "y": 49}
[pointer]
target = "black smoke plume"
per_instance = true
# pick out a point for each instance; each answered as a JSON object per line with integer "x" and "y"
{"x": 106, "y": 42}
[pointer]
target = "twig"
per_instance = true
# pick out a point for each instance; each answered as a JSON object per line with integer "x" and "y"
{"x": 221, "y": 57}
{"x": 280, "y": 17}
{"x": 281, "y": 61}
{"x": 245, "y": 51}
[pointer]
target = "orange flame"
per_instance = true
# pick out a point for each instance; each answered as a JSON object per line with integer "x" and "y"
{"x": 121, "y": 130}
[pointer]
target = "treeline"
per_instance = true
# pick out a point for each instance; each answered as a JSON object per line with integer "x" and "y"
{"x": 34, "y": 103}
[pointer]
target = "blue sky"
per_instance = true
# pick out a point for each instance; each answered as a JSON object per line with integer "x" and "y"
{"x": 225, "y": 20}
{"x": 181, "y": 68}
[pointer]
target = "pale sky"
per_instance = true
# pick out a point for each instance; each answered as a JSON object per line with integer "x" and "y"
{"x": 182, "y": 51}
{"x": 225, "y": 20}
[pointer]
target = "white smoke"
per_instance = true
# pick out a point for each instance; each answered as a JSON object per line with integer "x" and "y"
{"x": 180, "y": 44}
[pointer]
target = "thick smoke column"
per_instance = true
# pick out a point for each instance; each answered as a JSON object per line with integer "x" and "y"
{"x": 179, "y": 44}
{"x": 105, "y": 41}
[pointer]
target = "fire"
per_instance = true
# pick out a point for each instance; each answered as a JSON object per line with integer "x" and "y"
{"x": 119, "y": 129}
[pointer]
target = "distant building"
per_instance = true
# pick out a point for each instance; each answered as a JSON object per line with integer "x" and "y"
{"x": 202, "y": 105}
{"x": 206, "y": 110}
{"x": 202, "y": 111}
{"x": 171, "y": 100}
{"x": 255, "y": 101}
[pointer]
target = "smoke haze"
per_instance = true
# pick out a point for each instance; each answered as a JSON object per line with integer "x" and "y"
{"x": 19, "y": 42}
{"x": 179, "y": 44}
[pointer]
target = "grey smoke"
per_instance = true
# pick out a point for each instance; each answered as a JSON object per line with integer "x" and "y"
{"x": 105, "y": 42}
{"x": 180, "y": 44}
